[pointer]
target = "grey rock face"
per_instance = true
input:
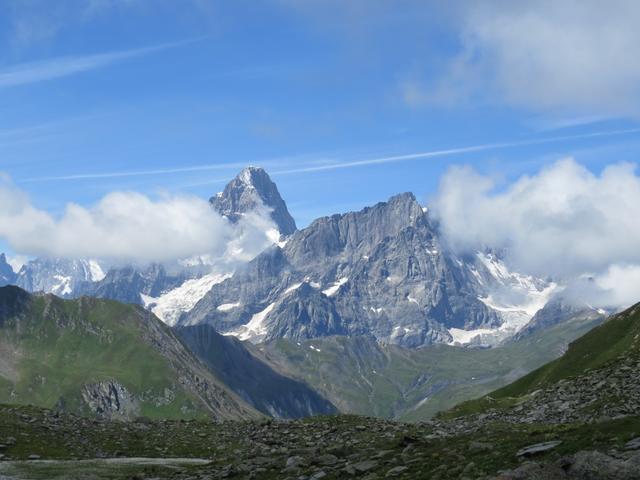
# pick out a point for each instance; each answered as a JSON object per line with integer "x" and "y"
{"x": 307, "y": 313}
{"x": 7, "y": 275}
{"x": 252, "y": 379}
{"x": 127, "y": 283}
{"x": 557, "y": 310}
{"x": 380, "y": 271}
{"x": 251, "y": 189}
{"x": 584, "y": 465}
{"x": 110, "y": 400}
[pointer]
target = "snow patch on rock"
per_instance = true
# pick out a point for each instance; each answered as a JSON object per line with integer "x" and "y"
{"x": 225, "y": 307}
{"x": 96, "y": 271}
{"x": 515, "y": 297}
{"x": 256, "y": 329}
{"x": 169, "y": 306}
{"x": 63, "y": 285}
{"x": 333, "y": 289}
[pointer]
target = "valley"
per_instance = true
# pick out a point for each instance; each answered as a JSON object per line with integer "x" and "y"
{"x": 361, "y": 376}
{"x": 506, "y": 435}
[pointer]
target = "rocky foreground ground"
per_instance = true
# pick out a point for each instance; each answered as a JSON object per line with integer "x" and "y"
{"x": 582, "y": 427}
{"x": 44, "y": 444}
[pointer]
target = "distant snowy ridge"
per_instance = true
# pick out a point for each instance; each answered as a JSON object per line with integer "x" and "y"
{"x": 515, "y": 297}
{"x": 60, "y": 276}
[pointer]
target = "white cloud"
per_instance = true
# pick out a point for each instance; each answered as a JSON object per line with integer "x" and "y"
{"x": 564, "y": 221}
{"x": 620, "y": 284}
{"x": 128, "y": 226}
{"x": 569, "y": 56}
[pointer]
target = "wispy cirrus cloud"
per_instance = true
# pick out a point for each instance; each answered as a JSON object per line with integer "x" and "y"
{"x": 454, "y": 151}
{"x": 309, "y": 165}
{"x": 34, "y": 72}
{"x": 29, "y": 23}
{"x": 136, "y": 173}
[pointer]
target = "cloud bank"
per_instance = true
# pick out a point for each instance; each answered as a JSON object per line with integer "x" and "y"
{"x": 128, "y": 226}
{"x": 565, "y": 221}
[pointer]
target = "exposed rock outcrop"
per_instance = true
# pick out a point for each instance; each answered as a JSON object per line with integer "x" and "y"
{"x": 110, "y": 400}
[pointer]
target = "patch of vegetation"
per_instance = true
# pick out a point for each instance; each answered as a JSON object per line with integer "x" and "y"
{"x": 618, "y": 336}
{"x": 616, "y": 339}
{"x": 360, "y": 376}
{"x": 264, "y": 447}
{"x": 62, "y": 345}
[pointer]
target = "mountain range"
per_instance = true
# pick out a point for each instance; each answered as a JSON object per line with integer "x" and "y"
{"x": 384, "y": 271}
{"x": 363, "y": 305}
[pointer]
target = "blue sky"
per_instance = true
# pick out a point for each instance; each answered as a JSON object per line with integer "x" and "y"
{"x": 175, "y": 96}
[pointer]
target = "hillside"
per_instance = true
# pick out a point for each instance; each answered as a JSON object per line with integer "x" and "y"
{"x": 595, "y": 377}
{"x": 611, "y": 342}
{"x": 548, "y": 425}
{"x": 362, "y": 376}
{"x": 252, "y": 379}
{"x": 99, "y": 357}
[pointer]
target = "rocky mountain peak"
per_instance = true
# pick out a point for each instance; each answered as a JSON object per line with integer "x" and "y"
{"x": 251, "y": 176}
{"x": 407, "y": 206}
{"x": 250, "y": 189}
{"x": 7, "y": 275}
{"x": 405, "y": 197}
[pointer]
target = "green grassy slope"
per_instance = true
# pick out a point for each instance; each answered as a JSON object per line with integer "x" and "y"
{"x": 51, "y": 348}
{"x": 268, "y": 391}
{"x": 360, "y": 376}
{"x": 616, "y": 338}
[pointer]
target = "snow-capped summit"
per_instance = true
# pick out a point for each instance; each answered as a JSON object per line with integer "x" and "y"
{"x": 515, "y": 297}
{"x": 60, "y": 276}
{"x": 251, "y": 189}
